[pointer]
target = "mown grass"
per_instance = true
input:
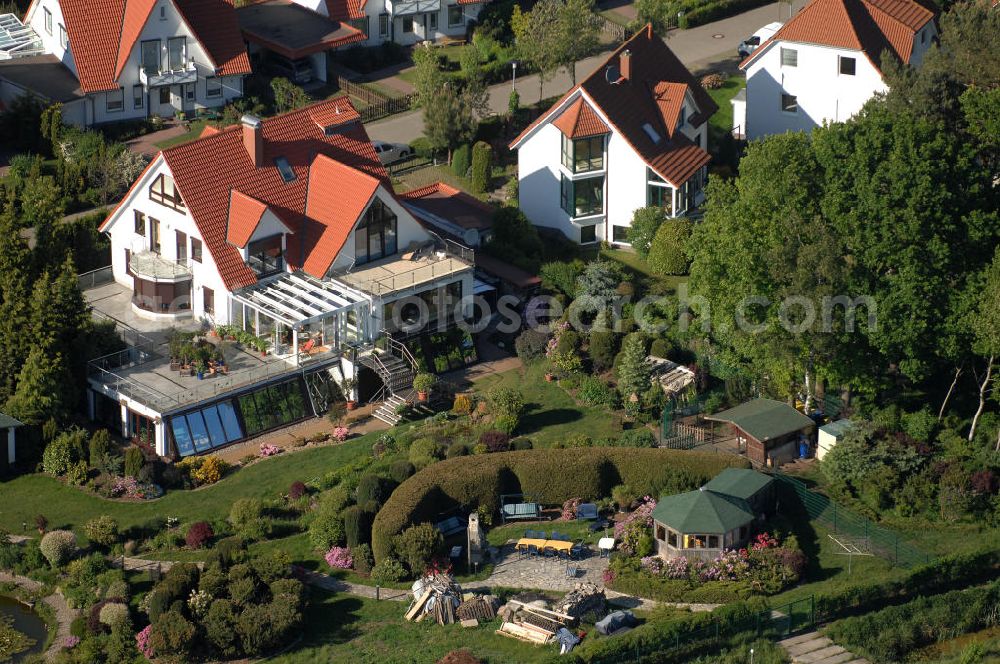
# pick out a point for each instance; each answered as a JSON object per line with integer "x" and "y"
{"x": 194, "y": 131}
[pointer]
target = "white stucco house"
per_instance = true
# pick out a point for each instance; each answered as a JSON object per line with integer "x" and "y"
{"x": 633, "y": 133}
{"x": 113, "y": 60}
{"x": 404, "y": 22}
{"x": 288, "y": 229}
{"x": 825, "y": 63}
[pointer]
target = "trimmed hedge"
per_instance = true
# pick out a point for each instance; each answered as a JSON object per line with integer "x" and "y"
{"x": 713, "y": 11}
{"x": 550, "y": 477}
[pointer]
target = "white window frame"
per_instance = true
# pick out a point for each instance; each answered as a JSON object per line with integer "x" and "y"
{"x": 461, "y": 15}
{"x": 383, "y": 25}
{"x": 63, "y": 37}
{"x": 795, "y": 104}
{"x": 840, "y": 65}
{"x": 48, "y": 20}
{"x": 209, "y": 92}
{"x": 108, "y": 108}
{"x": 138, "y": 96}
{"x": 789, "y": 57}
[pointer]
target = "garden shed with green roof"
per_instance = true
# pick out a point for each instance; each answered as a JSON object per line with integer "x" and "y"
{"x": 700, "y": 524}
{"x": 757, "y": 489}
{"x": 767, "y": 430}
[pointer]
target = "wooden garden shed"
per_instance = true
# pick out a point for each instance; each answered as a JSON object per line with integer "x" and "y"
{"x": 768, "y": 431}
{"x": 700, "y": 524}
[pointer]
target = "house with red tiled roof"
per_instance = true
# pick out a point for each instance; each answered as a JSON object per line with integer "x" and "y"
{"x": 826, "y": 62}
{"x": 633, "y": 133}
{"x": 404, "y": 22}
{"x": 285, "y": 234}
{"x": 140, "y": 58}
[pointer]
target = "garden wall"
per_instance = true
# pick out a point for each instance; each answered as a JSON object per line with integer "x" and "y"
{"x": 550, "y": 477}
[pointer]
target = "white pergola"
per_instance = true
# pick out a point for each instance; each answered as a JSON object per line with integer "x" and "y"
{"x": 297, "y": 300}
{"x": 17, "y": 39}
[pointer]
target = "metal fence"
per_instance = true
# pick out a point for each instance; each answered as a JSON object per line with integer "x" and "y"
{"x": 775, "y": 623}
{"x": 94, "y": 278}
{"x": 862, "y": 532}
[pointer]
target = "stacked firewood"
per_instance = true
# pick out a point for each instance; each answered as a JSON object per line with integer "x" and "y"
{"x": 585, "y": 598}
{"x": 436, "y": 595}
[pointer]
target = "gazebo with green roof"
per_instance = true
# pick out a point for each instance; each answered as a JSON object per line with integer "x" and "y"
{"x": 700, "y": 524}
{"x": 757, "y": 489}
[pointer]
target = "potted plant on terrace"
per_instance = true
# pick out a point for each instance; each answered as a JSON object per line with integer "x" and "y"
{"x": 423, "y": 383}
{"x": 347, "y": 386}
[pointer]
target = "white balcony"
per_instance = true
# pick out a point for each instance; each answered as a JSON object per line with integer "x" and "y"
{"x": 411, "y": 7}
{"x": 186, "y": 73}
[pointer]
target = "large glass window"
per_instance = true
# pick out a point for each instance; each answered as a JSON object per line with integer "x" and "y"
{"x": 164, "y": 192}
{"x": 199, "y": 433}
{"x": 205, "y": 429}
{"x": 454, "y": 16}
{"x": 375, "y": 235}
{"x": 151, "y": 57}
{"x": 583, "y": 154}
{"x": 175, "y": 53}
{"x": 582, "y": 198}
{"x": 272, "y": 407}
{"x": 265, "y": 256}
{"x": 182, "y": 436}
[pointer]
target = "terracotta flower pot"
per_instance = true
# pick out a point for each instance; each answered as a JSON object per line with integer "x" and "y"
{"x": 422, "y": 396}
{"x": 549, "y": 378}
{"x": 351, "y": 405}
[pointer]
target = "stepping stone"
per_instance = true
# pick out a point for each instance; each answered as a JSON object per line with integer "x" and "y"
{"x": 800, "y": 638}
{"x": 840, "y": 658}
{"x": 817, "y": 655}
{"x": 816, "y": 643}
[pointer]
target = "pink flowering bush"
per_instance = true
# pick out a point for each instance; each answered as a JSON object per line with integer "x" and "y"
{"x": 635, "y": 528}
{"x": 71, "y": 642}
{"x": 608, "y": 576}
{"x": 557, "y": 330}
{"x": 339, "y": 557}
{"x": 764, "y": 541}
{"x": 569, "y": 509}
{"x": 653, "y": 564}
{"x": 127, "y": 487}
{"x": 142, "y": 642}
{"x": 677, "y": 568}
{"x": 267, "y": 450}
{"x": 340, "y": 434}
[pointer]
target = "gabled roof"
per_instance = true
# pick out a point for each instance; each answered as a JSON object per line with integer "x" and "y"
{"x": 337, "y": 196}
{"x": 629, "y": 106}
{"x": 207, "y": 170}
{"x": 764, "y": 419}
{"x": 451, "y": 204}
{"x": 669, "y": 98}
{"x": 870, "y": 26}
{"x": 738, "y": 483}
{"x": 346, "y": 10}
{"x": 292, "y": 30}
{"x": 245, "y": 213}
{"x": 580, "y": 120}
{"x": 102, "y": 34}
{"x": 702, "y": 512}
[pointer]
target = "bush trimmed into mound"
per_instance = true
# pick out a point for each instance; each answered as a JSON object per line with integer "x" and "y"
{"x": 549, "y": 476}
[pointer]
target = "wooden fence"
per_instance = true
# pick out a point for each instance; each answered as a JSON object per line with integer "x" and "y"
{"x": 616, "y": 31}
{"x": 377, "y": 105}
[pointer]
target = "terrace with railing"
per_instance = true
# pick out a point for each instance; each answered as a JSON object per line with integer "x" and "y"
{"x": 409, "y": 270}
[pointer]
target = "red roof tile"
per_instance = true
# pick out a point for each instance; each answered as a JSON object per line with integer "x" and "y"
{"x": 451, "y": 204}
{"x": 337, "y": 196}
{"x": 215, "y": 25}
{"x": 94, "y": 28}
{"x": 870, "y": 26}
{"x": 327, "y": 116}
{"x": 580, "y": 120}
{"x": 629, "y": 105}
{"x": 346, "y": 10}
{"x": 208, "y": 130}
{"x": 134, "y": 20}
{"x": 245, "y": 213}
{"x": 669, "y": 98}
{"x": 207, "y": 170}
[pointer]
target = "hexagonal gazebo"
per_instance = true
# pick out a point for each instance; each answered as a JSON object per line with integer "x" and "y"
{"x": 700, "y": 524}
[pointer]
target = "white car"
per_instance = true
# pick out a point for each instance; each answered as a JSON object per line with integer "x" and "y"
{"x": 750, "y": 44}
{"x": 390, "y": 152}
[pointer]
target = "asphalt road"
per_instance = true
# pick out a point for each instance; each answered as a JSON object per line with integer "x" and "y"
{"x": 705, "y": 48}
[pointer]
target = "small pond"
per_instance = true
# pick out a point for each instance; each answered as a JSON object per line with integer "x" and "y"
{"x": 27, "y": 622}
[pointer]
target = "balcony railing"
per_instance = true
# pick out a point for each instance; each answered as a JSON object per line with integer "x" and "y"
{"x": 266, "y": 265}
{"x": 410, "y": 7}
{"x": 444, "y": 260}
{"x": 151, "y": 266}
{"x": 186, "y": 73}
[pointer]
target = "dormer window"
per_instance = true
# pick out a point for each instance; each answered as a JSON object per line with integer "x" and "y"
{"x": 652, "y": 133}
{"x": 265, "y": 256}
{"x": 284, "y": 169}
{"x": 164, "y": 192}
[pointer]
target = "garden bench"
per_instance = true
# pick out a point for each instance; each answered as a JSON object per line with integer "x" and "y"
{"x": 450, "y": 526}
{"x": 586, "y": 511}
{"x": 515, "y": 511}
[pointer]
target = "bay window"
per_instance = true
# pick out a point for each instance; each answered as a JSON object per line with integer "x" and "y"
{"x": 659, "y": 193}
{"x": 583, "y": 154}
{"x": 582, "y": 198}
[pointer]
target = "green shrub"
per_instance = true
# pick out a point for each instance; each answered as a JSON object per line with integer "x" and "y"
{"x": 668, "y": 253}
{"x": 357, "y": 525}
{"x": 401, "y": 470}
{"x": 530, "y": 345}
{"x": 505, "y": 401}
{"x": 417, "y": 545}
{"x": 220, "y": 627}
{"x": 422, "y": 147}
{"x": 388, "y": 570}
{"x": 99, "y": 448}
{"x": 561, "y": 276}
{"x": 372, "y": 487}
{"x": 645, "y": 222}
{"x": 595, "y": 392}
{"x": 64, "y": 451}
{"x": 248, "y": 520}
{"x": 134, "y": 461}
{"x": 457, "y": 449}
{"x": 362, "y": 557}
{"x": 173, "y": 634}
{"x": 660, "y": 348}
{"x": 602, "y": 347}
{"x": 713, "y": 11}
{"x": 102, "y": 530}
{"x": 460, "y": 160}
{"x": 482, "y": 167}
{"x": 550, "y": 476}
{"x": 424, "y": 451}
{"x": 636, "y": 438}
{"x": 58, "y": 546}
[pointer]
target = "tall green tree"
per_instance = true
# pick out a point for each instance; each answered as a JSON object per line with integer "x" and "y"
{"x": 986, "y": 326}
{"x": 538, "y": 38}
{"x": 449, "y": 118}
{"x": 578, "y": 35}
{"x": 633, "y": 369}
{"x": 39, "y": 394}
{"x": 645, "y": 222}
{"x": 15, "y": 275}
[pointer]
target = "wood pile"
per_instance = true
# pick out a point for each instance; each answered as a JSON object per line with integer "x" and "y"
{"x": 530, "y": 622}
{"x": 479, "y": 607}
{"x": 585, "y": 598}
{"x": 437, "y": 596}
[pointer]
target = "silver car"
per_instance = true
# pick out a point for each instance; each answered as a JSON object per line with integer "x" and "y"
{"x": 390, "y": 152}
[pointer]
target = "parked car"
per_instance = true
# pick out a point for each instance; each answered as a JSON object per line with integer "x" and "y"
{"x": 750, "y": 44}
{"x": 298, "y": 71}
{"x": 390, "y": 152}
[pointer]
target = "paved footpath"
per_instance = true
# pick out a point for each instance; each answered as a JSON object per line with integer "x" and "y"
{"x": 706, "y": 48}
{"x": 814, "y": 648}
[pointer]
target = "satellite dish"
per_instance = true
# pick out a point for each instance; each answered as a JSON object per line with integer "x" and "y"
{"x": 471, "y": 237}
{"x": 612, "y": 74}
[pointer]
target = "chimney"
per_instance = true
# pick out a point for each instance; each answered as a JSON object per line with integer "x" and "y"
{"x": 253, "y": 139}
{"x": 625, "y": 64}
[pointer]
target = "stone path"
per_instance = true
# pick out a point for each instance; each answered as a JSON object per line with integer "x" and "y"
{"x": 814, "y": 648}
{"x": 64, "y": 614}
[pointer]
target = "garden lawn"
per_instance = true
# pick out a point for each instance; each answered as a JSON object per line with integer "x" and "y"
{"x": 343, "y": 628}
{"x": 551, "y": 414}
{"x": 634, "y": 263}
{"x": 71, "y": 507}
{"x": 194, "y": 131}
{"x": 722, "y": 122}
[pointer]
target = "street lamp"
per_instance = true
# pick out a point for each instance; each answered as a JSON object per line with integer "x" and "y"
{"x": 513, "y": 80}
{"x": 751, "y": 655}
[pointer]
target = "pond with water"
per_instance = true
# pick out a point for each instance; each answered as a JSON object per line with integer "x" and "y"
{"x": 25, "y": 621}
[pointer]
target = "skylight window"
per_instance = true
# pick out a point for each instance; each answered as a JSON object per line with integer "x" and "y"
{"x": 285, "y": 169}
{"x": 653, "y": 136}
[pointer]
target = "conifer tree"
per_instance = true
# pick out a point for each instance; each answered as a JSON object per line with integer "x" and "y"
{"x": 39, "y": 393}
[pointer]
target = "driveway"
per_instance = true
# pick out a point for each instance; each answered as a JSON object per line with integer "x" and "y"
{"x": 705, "y": 48}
